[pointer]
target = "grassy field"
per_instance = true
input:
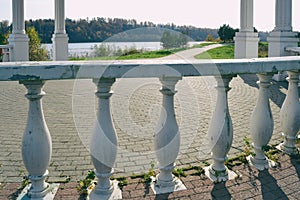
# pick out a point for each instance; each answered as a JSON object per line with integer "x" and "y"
{"x": 227, "y": 52}
{"x": 204, "y": 44}
{"x": 224, "y": 52}
{"x": 142, "y": 55}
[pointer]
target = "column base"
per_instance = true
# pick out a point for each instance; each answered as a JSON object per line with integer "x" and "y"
{"x": 261, "y": 164}
{"x": 20, "y": 47}
{"x": 162, "y": 187}
{"x": 219, "y": 176}
{"x": 246, "y": 45}
{"x": 278, "y": 41}
{"x": 112, "y": 194}
{"x": 291, "y": 151}
{"x": 47, "y": 194}
{"x": 60, "y": 46}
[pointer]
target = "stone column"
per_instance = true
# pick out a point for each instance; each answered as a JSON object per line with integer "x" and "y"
{"x": 167, "y": 140}
{"x": 246, "y": 40}
{"x": 18, "y": 39}
{"x": 60, "y": 38}
{"x": 246, "y": 14}
{"x": 290, "y": 115}
{"x": 103, "y": 147}
{"x": 283, "y": 18}
{"x": 220, "y": 134}
{"x": 282, "y": 36}
{"x": 261, "y": 124}
{"x": 37, "y": 145}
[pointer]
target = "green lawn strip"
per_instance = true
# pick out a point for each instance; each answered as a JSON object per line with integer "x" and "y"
{"x": 227, "y": 52}
{"x": 223, "y": 52}
{"x": 143, "y": 55}
{"x": 204, "y": 44}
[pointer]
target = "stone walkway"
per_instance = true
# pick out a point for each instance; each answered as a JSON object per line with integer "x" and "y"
{"x": 189, "y": 54}
{"x": 70, "y": 108}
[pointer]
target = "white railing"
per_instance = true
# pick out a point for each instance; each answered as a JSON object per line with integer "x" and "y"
{"x": 293, "y": 50}
{"x": 5, "y": 51}
{"x": 36, "y": 145}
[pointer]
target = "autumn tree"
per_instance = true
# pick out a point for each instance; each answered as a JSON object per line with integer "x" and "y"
{"x": 210, "y": 38}
{"x": 36, "y": 51}
{"x": 2, "y": 39}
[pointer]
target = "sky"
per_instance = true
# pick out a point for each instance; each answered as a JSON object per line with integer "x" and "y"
{"x": 199, "y": 13}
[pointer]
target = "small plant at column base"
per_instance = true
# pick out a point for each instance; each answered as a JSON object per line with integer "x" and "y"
{"x": 178, "y": 172}
{"x": 248, "y": 150}
{"x": 272, "y": 153}
{"x": 199, "y": 171}
{"x": 206, "y": 164}
{"x": 151, "y": 173}
{"x": 87, "y": 183}
{"x": 25, "y": 182}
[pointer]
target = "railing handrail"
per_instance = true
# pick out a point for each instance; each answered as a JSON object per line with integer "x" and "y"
{"x": 5, "y": 46}
{"x": 295, "y": 50}
{"x": 57, "y": 70}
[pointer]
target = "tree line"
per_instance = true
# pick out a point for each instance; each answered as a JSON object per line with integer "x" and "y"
{"x": 100, "y": 29}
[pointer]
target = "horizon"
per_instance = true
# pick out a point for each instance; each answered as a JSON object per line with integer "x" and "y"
{"x": 158, "y": 12}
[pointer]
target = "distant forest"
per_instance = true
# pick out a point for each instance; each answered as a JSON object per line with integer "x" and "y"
{"x": 101, "y": 29}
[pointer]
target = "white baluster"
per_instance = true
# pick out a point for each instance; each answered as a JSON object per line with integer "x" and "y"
{"x": 167, "y": 140}
{"x": 103, "y": 146}
{"x": 261, "y": 124}
{"x": 36, "y": 144}
{"x": 290, "y": 115}
{"x": 220, "y": 134}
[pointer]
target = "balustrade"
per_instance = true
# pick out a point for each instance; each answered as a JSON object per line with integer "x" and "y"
{"x": 290, "y": 115}
{"x": 261, "y": 124}
{"x": 104, "y": 144}
{"x": 167, "y": 140}
{"x": 36, "y": 145}
{"x": 220, "y": 133}
{"x": 5, "y": 51}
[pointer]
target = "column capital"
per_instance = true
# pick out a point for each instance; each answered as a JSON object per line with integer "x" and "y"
{"x": 168, "y": 85}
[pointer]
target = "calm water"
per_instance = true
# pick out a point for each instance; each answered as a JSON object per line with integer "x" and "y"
{"x": 86, "y": 49}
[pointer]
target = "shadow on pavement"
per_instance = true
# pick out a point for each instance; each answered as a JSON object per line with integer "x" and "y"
{"x": 162, "y": 196}
{"x": 220, "y": 191}
{"x": 295, "y": 160}
{"x": 275, "y": 93}
{"x": 269, "y": 187}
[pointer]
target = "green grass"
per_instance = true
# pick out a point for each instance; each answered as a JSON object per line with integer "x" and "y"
{"x": 143, "y": 55}
{"x": 147, "y": 54}
{"x": 224, "y": 52}
{"x": 204, "y": 44}
{"x": 227, "y": 52}
{"x": 263, "y": 49}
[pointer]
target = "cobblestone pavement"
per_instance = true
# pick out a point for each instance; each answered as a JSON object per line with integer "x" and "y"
{"x": 70, "y": 109}
{"x": 281, "y": 183}
{"x": 135, "y": 108}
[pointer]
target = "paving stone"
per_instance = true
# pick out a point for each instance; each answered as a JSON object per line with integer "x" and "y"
{"x": 135, "y": 108}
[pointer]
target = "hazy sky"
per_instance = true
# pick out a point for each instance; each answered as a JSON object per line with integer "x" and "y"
{"x": 200, "y": 13}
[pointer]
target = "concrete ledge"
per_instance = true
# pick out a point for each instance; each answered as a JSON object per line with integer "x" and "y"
{"x": 18, "y": 71}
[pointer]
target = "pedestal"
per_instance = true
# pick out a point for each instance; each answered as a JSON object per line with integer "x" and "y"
{"x": 246, "y": 45}
{"x": 60, "y": 47}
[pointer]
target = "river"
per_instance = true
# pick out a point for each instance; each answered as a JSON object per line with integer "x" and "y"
{"x": 86, "y": 49}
